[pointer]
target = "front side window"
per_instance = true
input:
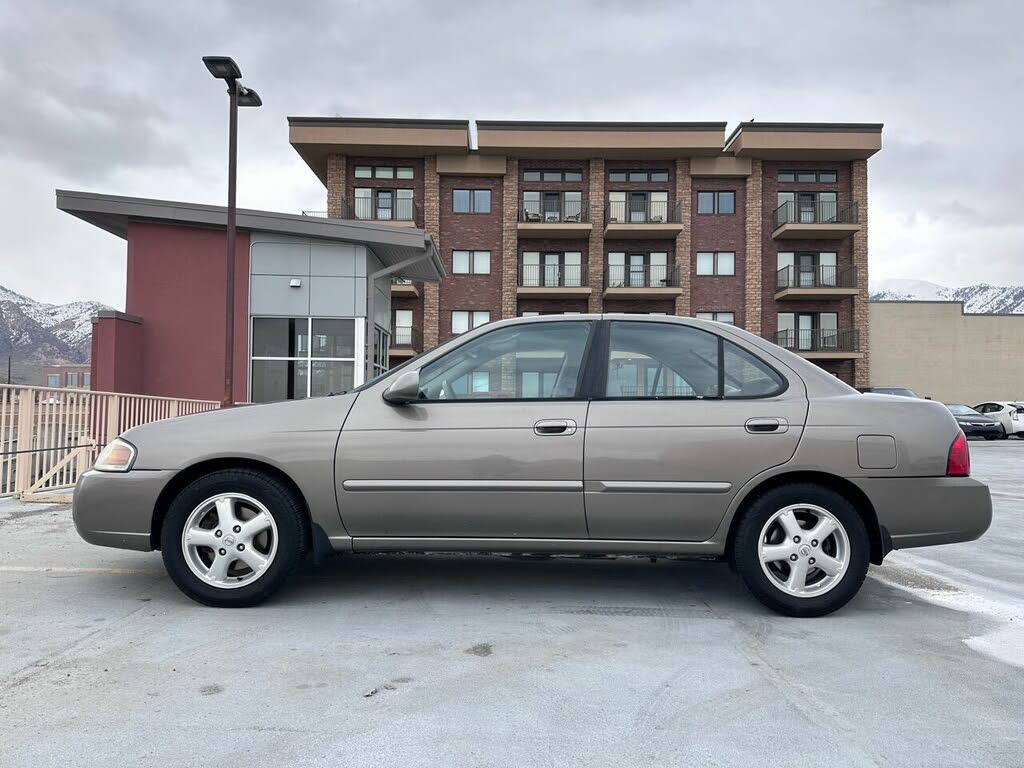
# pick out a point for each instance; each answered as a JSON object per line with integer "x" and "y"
{"x": 662, "y": 360}
{"x": 471, "y": 262}
{"x": 299, "y": 357}
{"x": 527, "y": 362}
{"x": 471, "y": 201}
{"x": 466, "y": 319}
{"x": 716, "y": 263}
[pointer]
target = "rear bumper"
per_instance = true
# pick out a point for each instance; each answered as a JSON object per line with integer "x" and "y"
{"x": 923, "y": 511}
{"x": 115, "y": 509}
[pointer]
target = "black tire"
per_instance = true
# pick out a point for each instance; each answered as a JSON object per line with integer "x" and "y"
{"x": 1002, "y": 433}
{"x": 289, "y": 516}
{"x": 991, "y": 437}
{"x": 746, "y": 547}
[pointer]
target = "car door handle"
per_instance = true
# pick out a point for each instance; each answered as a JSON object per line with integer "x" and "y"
{"x": 765, "y": 425}
{"x": 549, "y": 427}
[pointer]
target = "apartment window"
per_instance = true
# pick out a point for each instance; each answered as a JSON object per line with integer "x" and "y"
{"x": 384, "y": 172}
{"x": 638, "y": 270}
{"x": 73, "y": 379}
{"x": 716, "y": 202}
{"x": 86, "y": 380}
{"x": 807, "y": 269}
{"x": 814, "y": 177}
{"x": 808, "y": 331}
{"x": 716, "y": 263}
{"x": 552, "y": 312}
{"x": 465, "y": 320}
{"x": 729, "y": 318}
{"x": 552, "y": 206}
{"x": 471, "y": 201}
{"x": 299, "y": 357}
{"x": 638, "y": 176}
{"x": 552, "y": 269}
{"x": 403, "y": 328}
{"x": 552, "y": 175}
{"x": 637, "y": 207}
{"x": 384, "y": 204}
{"x": 53, "y": 380}
{"x": 471, "y": 262}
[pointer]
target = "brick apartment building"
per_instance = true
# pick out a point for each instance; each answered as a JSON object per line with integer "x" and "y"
{"x": 766, "y": 228}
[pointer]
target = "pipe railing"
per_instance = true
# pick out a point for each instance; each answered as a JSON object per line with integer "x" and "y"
{"x": 640, "y": 276}
{"x": 816, "y": 212}
{"x": 642, "y": 211}
{"x": 553, "y": 210}
{"x": 819, "y": 276}
{"x": 819, "y": 340}
{"x": 552, "y": 276}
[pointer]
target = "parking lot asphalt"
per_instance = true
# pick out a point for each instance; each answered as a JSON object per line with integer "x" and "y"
{"x": 490, "y": 661}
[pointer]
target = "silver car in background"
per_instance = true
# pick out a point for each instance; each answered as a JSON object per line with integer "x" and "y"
{"x": 611, "y": 434}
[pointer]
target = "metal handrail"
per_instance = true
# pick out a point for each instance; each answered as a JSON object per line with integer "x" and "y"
{"x": 819, "y": 340}
{"x": 647, "y": 212}
{"x": 367, "y": 209}
{"x": 641, "y": 276}
{"x": 552, "y": 276}
{"x": 552, "y": 211}
{"x": 818, "y": 276}
{"x": 817, "y": 212}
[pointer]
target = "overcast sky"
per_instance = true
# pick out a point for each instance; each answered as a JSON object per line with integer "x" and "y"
{"x": 113, "y": 97}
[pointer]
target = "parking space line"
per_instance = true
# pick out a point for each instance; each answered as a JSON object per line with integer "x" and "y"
{"x": 66, "y": 569}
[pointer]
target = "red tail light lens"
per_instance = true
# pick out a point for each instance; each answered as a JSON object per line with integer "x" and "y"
{"x": 959, "y": 462}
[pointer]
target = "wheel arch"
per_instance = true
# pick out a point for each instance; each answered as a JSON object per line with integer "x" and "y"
{"x": 879, "y": 538}
{"x": 193, "y": 472}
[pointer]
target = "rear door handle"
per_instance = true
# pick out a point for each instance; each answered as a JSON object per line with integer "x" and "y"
{"x": 550, "y": 427}
{"x": 766, "y": 425}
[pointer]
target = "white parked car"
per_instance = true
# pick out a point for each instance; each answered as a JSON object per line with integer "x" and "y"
{"x": 1010, "y": 415}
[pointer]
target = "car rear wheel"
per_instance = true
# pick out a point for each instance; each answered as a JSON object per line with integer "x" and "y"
{"x": 233, "y": 537}
{"x": 801, "y": 549}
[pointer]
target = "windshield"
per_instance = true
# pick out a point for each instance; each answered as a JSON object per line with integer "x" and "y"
{"x": 962, "y": 410}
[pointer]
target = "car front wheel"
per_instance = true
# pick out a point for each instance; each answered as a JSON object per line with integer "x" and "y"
{"x": 233, "y": 537}
{"x": 802, "y": 550}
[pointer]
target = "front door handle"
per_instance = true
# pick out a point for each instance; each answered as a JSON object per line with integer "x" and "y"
{"x": 766, "y": 425}
{"x": 549, "y": 427}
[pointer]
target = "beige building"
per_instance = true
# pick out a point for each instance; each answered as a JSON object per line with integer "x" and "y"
{"x": 942, "y": 353}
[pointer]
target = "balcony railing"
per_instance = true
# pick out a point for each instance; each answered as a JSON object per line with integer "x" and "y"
{"x": 641, "y": 276}
{"x": 642, "y": 212}
{"x": 552, "y": 276}
{"x": 368, "y": 209}
{"x": 819, "y": 340}
{"x": 404, "y": 336}
{"x": 816, "y": 212}
{"x": 554, "y": 211}
{"x": 820, "y": 276}
{"x": 317, "y": 214}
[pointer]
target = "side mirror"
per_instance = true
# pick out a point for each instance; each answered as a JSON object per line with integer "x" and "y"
{"x": 404, "y": 390}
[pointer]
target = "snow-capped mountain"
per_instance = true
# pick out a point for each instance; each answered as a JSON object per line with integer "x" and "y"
{"x": 981, "y": 298}
{"x": 35, "y": 331}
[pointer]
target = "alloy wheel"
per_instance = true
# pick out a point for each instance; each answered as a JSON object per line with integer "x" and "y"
{"x": 229, "y": 540}
{"x": 804, "y": 550}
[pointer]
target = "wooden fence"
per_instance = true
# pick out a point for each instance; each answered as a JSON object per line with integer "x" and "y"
{"x": 49, "y": 436}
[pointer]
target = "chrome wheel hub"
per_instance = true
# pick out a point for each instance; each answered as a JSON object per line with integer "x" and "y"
{"x": 229, "y": 540}
{"x": 804, "y": 550}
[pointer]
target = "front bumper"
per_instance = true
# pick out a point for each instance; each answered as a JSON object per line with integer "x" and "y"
{"x": 985, "y": 430}
{"x": 922, "y": 511}
{"x": 115, "y": 509}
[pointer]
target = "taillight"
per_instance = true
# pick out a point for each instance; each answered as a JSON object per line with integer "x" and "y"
{"x": 959, "y": 462}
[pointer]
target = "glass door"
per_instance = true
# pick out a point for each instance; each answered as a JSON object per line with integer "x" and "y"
{"x": 552, "y": 207}
{"x": 552, "y": 270}
{"x": 637, "y": 207}
{"x": 805, "y": 270}
{"x": 384, "y": 205}
{"x": 805, "y": 206}
{"x": 805, "y": 332}
{"x": 636, "y": 270}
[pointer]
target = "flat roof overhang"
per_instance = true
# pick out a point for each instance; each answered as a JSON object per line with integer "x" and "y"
{"x": 316, "y": 138}
{"x": 806, "y": 141}
{"x": 392, "y": 245}
{"x": 634, "y": 141}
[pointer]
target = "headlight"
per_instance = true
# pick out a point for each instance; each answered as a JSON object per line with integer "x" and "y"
{"x": 118, "y": 456}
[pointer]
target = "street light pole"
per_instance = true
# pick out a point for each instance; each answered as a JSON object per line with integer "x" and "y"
{"x": 229, "y": 299}
{"x": 224, "y": 68}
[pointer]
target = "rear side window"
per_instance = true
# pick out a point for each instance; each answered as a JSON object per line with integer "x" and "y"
{"x": 663, "y": 361}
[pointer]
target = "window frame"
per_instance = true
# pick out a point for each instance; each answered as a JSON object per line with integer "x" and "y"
{"x": 597, "y": 368}
{"x": 471, "y": 255}
{"x": 470, "y": 317}
{"x": 715, "y": 265}
{"x": 795, "y": 173}
{"x": 714, "y": 316}
{"x": 357, "y": 359}
{"x": 394, "y": 172}
{"x": 648, "y": 173}
{"x": 471, "y": 191}
{"x": 716, "y": 195}
{"x": 561, "y": 175}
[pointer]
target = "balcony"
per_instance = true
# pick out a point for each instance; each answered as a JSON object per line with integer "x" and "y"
{"x": 642, "y": 219}
{"x": 553, "y": 281}
{"x": 405, "y": 342}
{"x": 822, "y": 343}
{"x": 816, "y": 220}
{"x": 554, "y": 217}
{"x": 815, "y": 283}
{"x": 641, "y": 281}
{"x": 404, "y": 289}
{"x": 401, "y": 212}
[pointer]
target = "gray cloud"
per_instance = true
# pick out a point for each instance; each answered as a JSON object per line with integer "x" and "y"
{"x": 112, "y": 96}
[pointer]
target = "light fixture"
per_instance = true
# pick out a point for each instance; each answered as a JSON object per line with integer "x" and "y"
{"x": 222, "y": 67}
